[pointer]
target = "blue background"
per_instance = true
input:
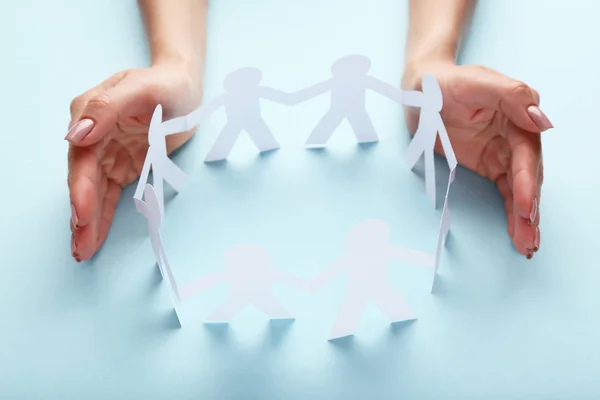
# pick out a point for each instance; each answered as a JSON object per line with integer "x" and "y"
{"x": 497, "y": 325}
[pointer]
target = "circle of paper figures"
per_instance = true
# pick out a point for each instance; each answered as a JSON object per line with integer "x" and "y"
{"x": 247, "y": 267}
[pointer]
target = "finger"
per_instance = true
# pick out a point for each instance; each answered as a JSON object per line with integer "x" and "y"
{"x": 526, "y": 156}
{"x": 84, "y": 175}
{"x": 506, "y": 193}
{"x": 109, "y": 206}
{"x": 87, "y": 237}
{"x": 511, "y": 216}
{"x": 82, "y": 180}
{"x": 540, "y": 180}
{"x": 482, "y": 87}
{"x": 78, "y": 104}
{"x": 103, "y": 111}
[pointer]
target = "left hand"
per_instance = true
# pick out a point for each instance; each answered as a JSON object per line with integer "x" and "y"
{"x": 495, "y": 125}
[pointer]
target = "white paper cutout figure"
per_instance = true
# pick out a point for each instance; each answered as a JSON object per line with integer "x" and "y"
{"x": 150, "y": 209}
{"x": 163, "y": 168}
{"x": 348, "y": 88}
{"x": 366, "y": 262}
{"x": 430, "y": 124}
{"x": 249, "y": 277}
{"x": 444, "y": 228}
{"x": 242, "y": 107}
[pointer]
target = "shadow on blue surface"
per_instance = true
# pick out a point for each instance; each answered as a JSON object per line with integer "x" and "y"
{"x": 277, "y": 331}
{"x": 170, "y": 320}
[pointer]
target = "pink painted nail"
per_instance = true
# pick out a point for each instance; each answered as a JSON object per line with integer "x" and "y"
{"x": 534, "y": 209}
{"x": 74, "y": 218}
{"x": 536, "y": 241}
{"x": 539, "y": 118}
{"x": 80, "y": 130}
{"x": 74, "y": 247}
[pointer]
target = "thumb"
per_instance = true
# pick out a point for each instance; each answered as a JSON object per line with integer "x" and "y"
{"x": 515, "y": 99}
{"x": 95, "y": 114}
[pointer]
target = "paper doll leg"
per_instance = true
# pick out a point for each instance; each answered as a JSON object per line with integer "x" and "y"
{"x": 139, "y": 190}
{"x": 363, "y": 127}
{"x": 156, "y": 245}
{"x": 224, "y": 143}
{"x": 430, "y": 175}
{"x": 174, "y": 175}
{"x": 392, "y": 304}
{"x": 227, "y": 311}
{"x": 324, "y": 129}
{"x": 415, "y": 149}
{"x": 157, "y": 182}
{"x": 261, "y": 135}
{"x": 349, "y": 316}
{"x": 169, "y": 272}
{"x": 272, "y": 307}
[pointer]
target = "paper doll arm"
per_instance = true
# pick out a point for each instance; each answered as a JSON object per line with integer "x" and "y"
{"x": 407, "y": 255}
{"x": 289, "y": 279}
{"x": 412, "y": 98}
{"x": 195, "y": 117}
{"x": 328, "y": 273}
{"x": 174, "y": 126}
{"x": 384, "y": 89}
{"x": 202, "y": 284}
{"x": 276, "y": 95}
{"x": 446, "y": 145}
{"x": 310, "y": 92}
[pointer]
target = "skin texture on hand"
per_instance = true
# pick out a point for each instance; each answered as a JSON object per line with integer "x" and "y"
{"x": 495, "y": 126}
{"x": 108, "y": 139}
{"x": 108, "y": 133}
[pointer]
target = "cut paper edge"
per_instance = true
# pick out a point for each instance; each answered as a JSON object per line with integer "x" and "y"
{"x": 444, "y": 228}
{"x": 265, "y": 141}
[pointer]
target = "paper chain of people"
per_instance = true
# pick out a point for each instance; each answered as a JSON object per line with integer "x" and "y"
{"x": 247, "y": 271}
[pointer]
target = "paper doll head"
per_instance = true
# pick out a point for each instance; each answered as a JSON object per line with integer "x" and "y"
{"x": 369, "y": 235}
{"x": 351, "y": 66}
{"x": 155, "y": 137}
{"x": 247, "y": 257}
{"x": 242, "y": 79}
{"x": 432, "y": 93}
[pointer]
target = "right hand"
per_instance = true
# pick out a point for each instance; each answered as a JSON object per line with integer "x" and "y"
{"x": 108, "y": 141}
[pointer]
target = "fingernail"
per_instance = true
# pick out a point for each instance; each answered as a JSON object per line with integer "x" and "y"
{"x": 529, "y": 254}
{"x": 539, "y": 118}
{"x": 536, "y": 241}
{"x": 74, "y": 247}
{"x": 534, "y": 209}
{"x": 80, "y": 130}
{"x": 74, "y": 218}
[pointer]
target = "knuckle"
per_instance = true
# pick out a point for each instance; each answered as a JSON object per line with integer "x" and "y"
{"x": 536, "y": 94}
{"x": 520, "y": 88}
{"x": 101, "y": 100}
{"x": 77, "y": 103}
{"x": 483, "y": 68}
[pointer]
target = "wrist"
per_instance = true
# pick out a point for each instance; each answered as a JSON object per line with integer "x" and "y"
{"x": 188, "y": 64}
{"x": 433, "y": 49}
{"x": 417, "y": 67}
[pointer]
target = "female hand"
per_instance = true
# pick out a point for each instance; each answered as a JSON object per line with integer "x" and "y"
{"x": 495, "y": 124}
{"x": 108, "y": 140}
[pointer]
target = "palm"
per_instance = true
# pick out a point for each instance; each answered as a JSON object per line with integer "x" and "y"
{"x": 486, "y": 140}
{"x": 99, "y": 172}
